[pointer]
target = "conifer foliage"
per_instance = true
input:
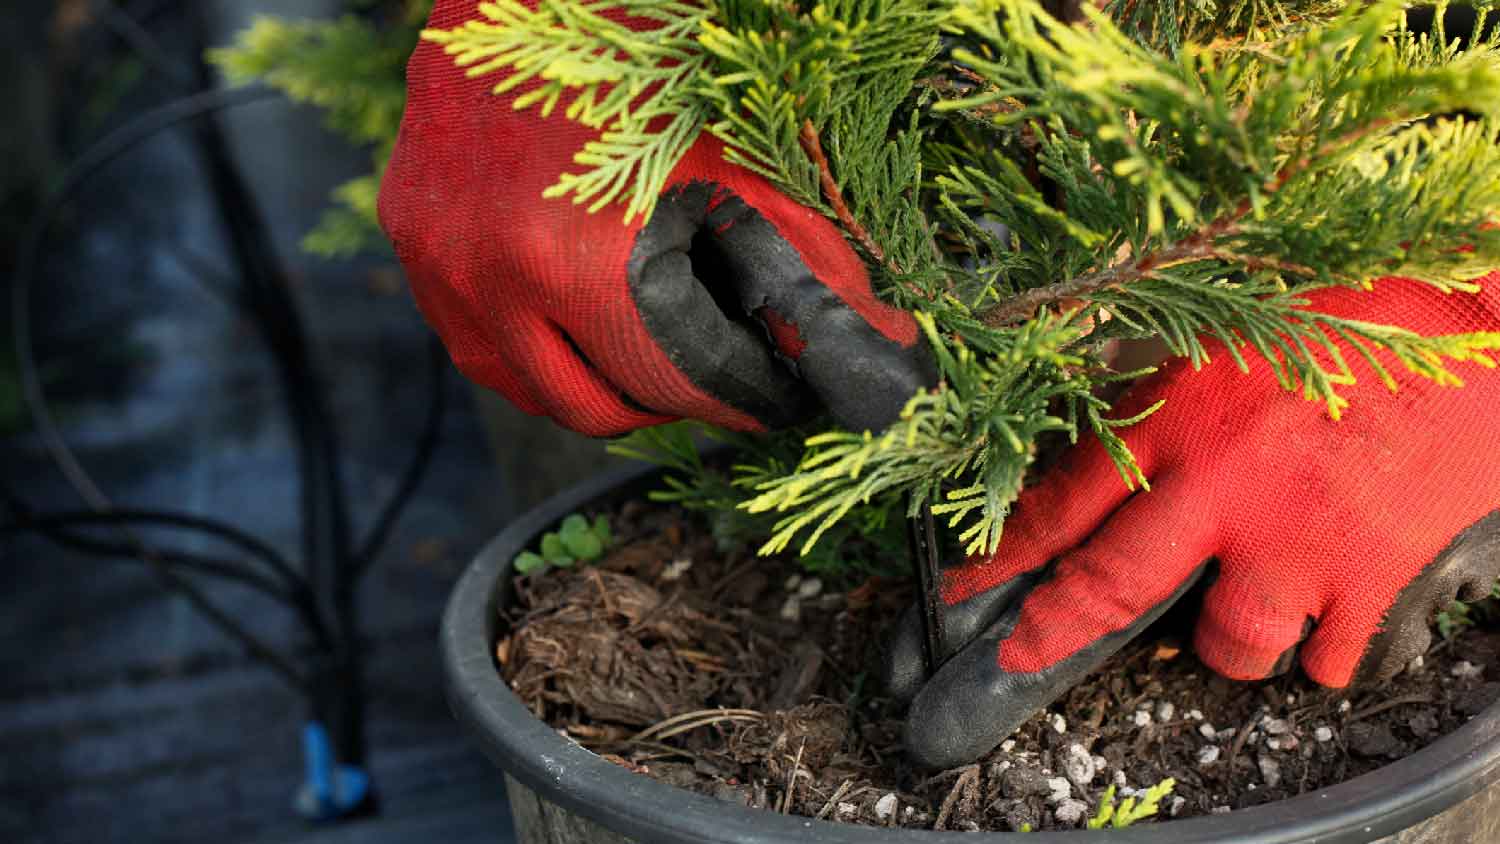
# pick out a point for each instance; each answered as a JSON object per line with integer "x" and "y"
{"x": 352, "y": 68}
{"x": 1174, "y": 170}
{"x": 1034, "y": 183}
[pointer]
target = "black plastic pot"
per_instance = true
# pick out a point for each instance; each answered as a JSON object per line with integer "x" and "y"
{"x": 1448, "y": 793}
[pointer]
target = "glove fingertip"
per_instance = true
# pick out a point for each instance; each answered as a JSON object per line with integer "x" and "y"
{"x": 966, "y": 710}
{"x": 903, "y": 664}
{"x": 904, "y": 659}
{"x": 866, "y": 385}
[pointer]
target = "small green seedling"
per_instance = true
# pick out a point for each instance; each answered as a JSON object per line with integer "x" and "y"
{"x": 1130, "y": 811}
{"x": 1453, "y": 619}
{"x": 575, "y": 540}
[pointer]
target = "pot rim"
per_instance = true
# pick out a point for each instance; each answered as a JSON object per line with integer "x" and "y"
{"x": 1362, "y": 809}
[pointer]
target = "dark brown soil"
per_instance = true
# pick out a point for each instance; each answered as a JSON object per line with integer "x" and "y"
{"x": 742, "y": 678}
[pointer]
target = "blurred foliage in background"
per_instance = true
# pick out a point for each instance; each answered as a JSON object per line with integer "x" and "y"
{"x": 353, "y": 68}
{"x": 30, "y": 83}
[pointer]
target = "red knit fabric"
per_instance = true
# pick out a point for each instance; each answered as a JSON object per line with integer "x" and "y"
{"x": 1309, "y": 518}
{"x": 785, "y": 334}
{"x": 507, "y": 278}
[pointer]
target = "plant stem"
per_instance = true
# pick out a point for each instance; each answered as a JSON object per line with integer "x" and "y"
{"x": 1200, "y": 245}
{"x": 1197, "y": 246}
{"x": 924, "y": 550}
{"x": 813, "y": 146}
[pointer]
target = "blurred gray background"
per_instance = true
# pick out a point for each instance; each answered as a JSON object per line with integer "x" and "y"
{"x": 124, "y": 716}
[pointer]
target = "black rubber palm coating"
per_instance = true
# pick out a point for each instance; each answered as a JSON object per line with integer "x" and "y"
{"x": 1466, "y": 570}
{"x": 862, "y": 377}
{"x": 972, "y": 704}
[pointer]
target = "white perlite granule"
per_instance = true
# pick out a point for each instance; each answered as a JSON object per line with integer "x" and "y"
{"x": 1270, "y": 770}
{"x": 1070, "y": 812}
{"x": 1464, "y": 669}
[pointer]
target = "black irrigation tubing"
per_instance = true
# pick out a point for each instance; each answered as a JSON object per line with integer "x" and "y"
{"x": 437, "y": 367}
{"x": 233, "y": 536}
{"x": 349, "y": 733}
{"x": 287, "y": 586}
{"x": 349, "y": 719}
{"x": 165, "y": 565}
{"x": 107, "y": 149}
{"x": 265, "y": 293}
{"x": 326, "y": 533}
{"x": 174, "y": 581}
{"x": 57, "y": 529}
{"x": 128, "y": 29}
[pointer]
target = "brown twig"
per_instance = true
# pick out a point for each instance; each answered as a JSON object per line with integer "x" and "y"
{"x": 1258, "y": 262}
{"x": 1242, "y": 41}
{"x": 1439, "y": 647}
{"x": 701, "y": 660}
{"x": 1239, "y": 741}
{"x": 717, "y": 590}
{"x": 657, "y": 750}
{"x": 1390, "y": 704}
{"x": 940, "y": 776}
{"x": 791, "y": 779}
{"x": 692, "y": 720}
{"x": 1069, "y": 12}
{"x": 828, "y": 807}
{"x": 813, "y": 146}
{"x": 1199, "y": 245}
{"x": 649, "y": 616}
{"x": 598, "y": 581}
{"x": 969, "y": 775}
{"x": 598, "y": 734}
{"x": 798, "y": 679}
{"x": 982, "y": 112}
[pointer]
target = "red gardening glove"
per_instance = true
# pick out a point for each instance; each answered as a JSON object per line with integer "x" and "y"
{"x": 1338, "y": 537}
{"x": 733, "y": 305}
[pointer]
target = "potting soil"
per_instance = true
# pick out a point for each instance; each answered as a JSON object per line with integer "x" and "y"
{"x": 749, "y": 680}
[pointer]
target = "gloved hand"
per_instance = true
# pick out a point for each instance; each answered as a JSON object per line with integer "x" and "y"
{"x": 1331, "y": 541}
{"x": 733, "y": 305}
